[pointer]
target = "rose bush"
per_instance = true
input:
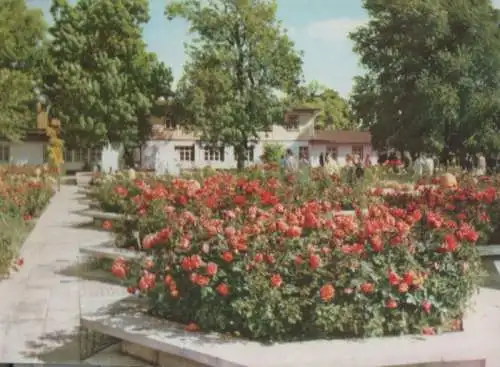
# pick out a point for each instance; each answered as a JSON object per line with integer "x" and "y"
{"x": 24, "y": 193}
{"x": 475, "y": 202}
{"x": 145, "y": 197}
{"x": 269, "y": 257}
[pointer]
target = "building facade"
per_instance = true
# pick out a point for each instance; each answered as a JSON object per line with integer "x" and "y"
{"x": 175, "y": 147}
{"x": 182, "y": 149}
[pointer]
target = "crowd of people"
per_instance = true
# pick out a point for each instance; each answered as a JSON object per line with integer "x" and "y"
{"x": 423, "y": 164}
{"x": 328, "y": 162}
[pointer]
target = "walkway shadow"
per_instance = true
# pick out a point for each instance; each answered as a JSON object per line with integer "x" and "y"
{"x": 61, "y": 346}
{"x": 95, "y": 270}
{"x": 492, "y": 277}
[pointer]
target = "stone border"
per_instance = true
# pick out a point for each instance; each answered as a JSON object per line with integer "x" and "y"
{"x": 106, "y": 250}
{"x": 83, "y": 178}
{"x": 488, "y": 250}
{"x": 100, "y": 215}
{"x": 127, "y": 321}
{"x": 84, "y": 191}
{"x": 91, "y": 203}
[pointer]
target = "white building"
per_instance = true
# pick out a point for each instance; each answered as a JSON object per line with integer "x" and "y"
{"x": 180, "y": 148}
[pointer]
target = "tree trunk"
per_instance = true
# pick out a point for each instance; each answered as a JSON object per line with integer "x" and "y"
{"x": 239, "y": 152}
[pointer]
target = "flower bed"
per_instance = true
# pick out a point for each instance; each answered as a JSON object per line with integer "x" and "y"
{"x": 474, "y": 202}
{"x": 146, "y": 197}
{"x": 263, "y": 256}
{"x": 24, "y": 193}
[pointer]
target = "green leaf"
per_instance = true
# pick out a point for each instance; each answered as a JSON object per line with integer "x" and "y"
{"x": 239, "y": 58}
{"x": 98, "y": 77}
{"x": 432, "y": 80}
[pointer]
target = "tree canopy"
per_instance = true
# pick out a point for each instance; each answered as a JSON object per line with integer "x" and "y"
{"x": 432, "y": 80}
{"x": 334, "y": 113}
{"x": 240, "y": 57}
{"x": 100, "y": 81}
{"x": 22, "y": 32}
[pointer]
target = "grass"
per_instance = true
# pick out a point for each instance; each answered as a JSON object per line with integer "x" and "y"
{"x": 13, "y": 232}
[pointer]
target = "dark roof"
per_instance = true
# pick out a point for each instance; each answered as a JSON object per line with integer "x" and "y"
{"x": 342, "y": 137}
{"x": 36, "y": 135}
{"x": 33, "y": 135}
{"x": 303, "y": 109}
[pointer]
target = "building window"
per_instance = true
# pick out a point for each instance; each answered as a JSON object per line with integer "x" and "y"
{"x": 95, "y": 154}
{"x": 292, "y": 122}
{"x": 214, "y": 154}
{"x": 45, "y": 153}
{"x": 304, "y": 152}
{"x": 4, "y": 153}
{"x": 80, "y": 155}
{"x": 250, "y": 154}
{"x": 332, "y": 151}
{"x": 357, "y": 150}
{"x": 185, "y": 153}
{"x": 68, "y": 155}
{"x": 170, "y": 123}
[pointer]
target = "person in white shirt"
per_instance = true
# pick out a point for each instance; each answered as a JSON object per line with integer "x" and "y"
{"x": 331, "y": 165}
{"x": 418, "y": 166}
{"x": 290, "y": 161}
{"x": 481, "y": 165}
{"x": 429, "y": 166}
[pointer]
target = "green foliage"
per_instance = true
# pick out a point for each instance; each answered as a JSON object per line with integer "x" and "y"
{"x": 334, "y": 113}
{"x": 13, "y": 231}
{"x": 24, "y": 193}
{"x": 99, "y": 78}
{"x": 240, "y": 56}
{"x": 432, "y": 80}
{"x": 273, "y": 153}
{"x": 21, "y": 32}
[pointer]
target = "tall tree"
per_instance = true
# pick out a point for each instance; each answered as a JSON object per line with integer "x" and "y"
{"x": 432, "y": 80}
{"x": 335, "y": 113}
{"x": 22, "y": 32}
{"x": 240, "y": 57}
{"x": 100, "y": 81}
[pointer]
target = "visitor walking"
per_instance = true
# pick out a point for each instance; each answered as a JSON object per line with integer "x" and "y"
{"x": 407, "y": 160}
{"x": 368, "y": 161}
{"x": 418, "y": 165}
{"x": 481, "y": 165}
{"x": 359, "y": 171}
{"x": 303, "y": 161}
{"x": 469, "y": 163}
{"x": 321, "y": 160}
{"x": 282, "y": 161}
{"x": 290, "y": 161}
{"x": 331, "y": 165}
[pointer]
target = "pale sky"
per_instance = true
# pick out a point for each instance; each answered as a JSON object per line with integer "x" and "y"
{"x": 318, "y": 27}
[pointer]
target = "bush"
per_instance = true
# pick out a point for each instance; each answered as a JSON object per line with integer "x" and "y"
{"x": 273, "y": 153}
{"x": 473, "y": 202}
{"x": 24, "y": 193}
{"x": 262, "y": 256}
{"x": 13, "y": 231}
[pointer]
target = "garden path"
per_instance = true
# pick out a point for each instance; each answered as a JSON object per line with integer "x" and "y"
{"x": 40, "y": 305}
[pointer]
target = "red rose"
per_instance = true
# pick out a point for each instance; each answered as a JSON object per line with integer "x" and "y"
{"x": 276, "y": 280}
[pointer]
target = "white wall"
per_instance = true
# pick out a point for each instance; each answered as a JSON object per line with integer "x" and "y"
{"x": 33, "y": 153}
{"x": 171, "y": 155}
{"x": 290, "y": 139}
{"x": 26, "y": 152}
